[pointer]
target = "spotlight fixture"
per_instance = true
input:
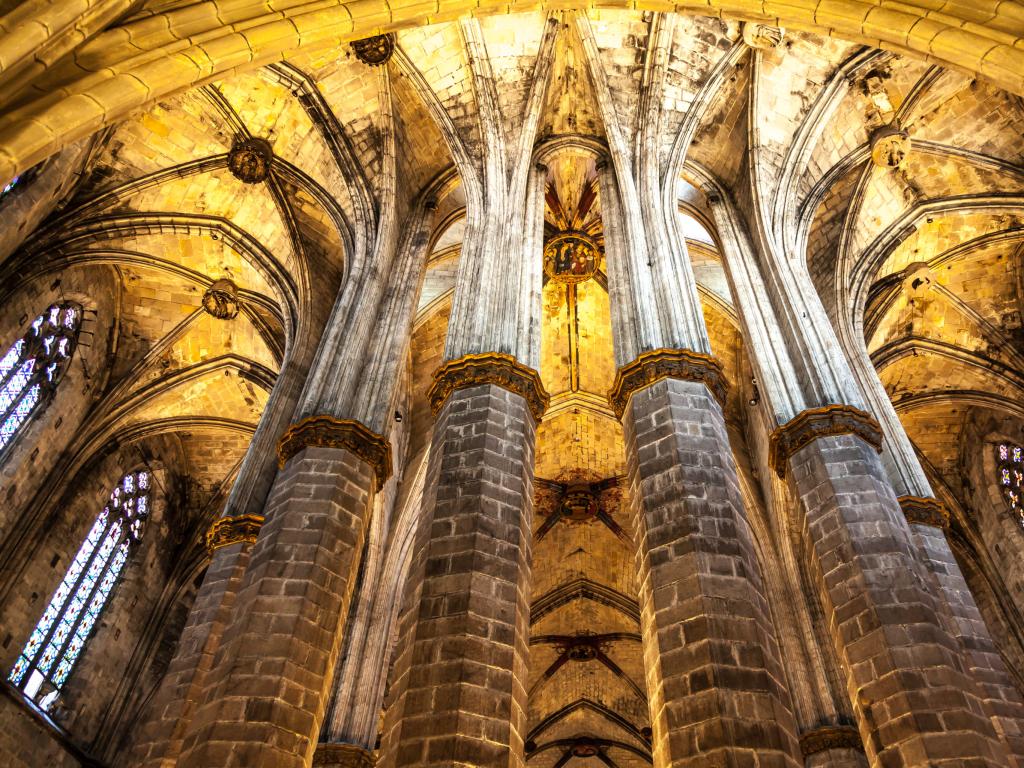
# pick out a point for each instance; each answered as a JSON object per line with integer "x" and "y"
{"x": 398, "y": 417}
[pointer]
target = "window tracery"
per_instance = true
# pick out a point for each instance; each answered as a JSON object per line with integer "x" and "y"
{"x": 58, "y": 639}
{"x": 1010, "y": 471}
{"x": 34, "y": 365}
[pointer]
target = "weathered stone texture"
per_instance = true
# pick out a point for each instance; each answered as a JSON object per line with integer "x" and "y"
{"x": 459, "y": 687}
{"x": 1003, "y": 702}
{"x": 715, "y": 683}
{"x": 158, "y": 741}
{"x": 273, "y": 671}
{"x": 912, "y": 693}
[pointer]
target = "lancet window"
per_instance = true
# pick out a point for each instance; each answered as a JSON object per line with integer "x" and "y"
{"x": 1010, "y": 471}
{"x": 32, "y": 368}
{"x": 58, "y": 639}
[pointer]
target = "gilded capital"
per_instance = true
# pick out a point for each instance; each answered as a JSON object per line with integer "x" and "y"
{"x": 659, "y": 364}
{"x": 830, "y": 737}
{"x": 494, "y": 368}
{"x": 925, "y": 511}
{"x": 328, "y": 432}
{"x": 809, "y": 425}
{"x": 332, "y": 755}
{"x": 231, "y": 530}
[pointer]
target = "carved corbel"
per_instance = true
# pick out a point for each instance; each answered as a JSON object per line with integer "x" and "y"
{"x": 809, "y": 425}
{"x": 494, "y": 368}
{"x": 659, "y": 364}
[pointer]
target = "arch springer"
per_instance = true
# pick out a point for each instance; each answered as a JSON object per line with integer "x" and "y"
{"x": 658, "y": 364}
{"x": 231, "y": 530}
{"x": 826, "y": 421}
{"x": 497, "y": 368}
{"x": 329, "y": 432}
{"x": 923, "y": 510}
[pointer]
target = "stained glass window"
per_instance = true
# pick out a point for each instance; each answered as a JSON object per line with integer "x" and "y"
{"x": 33, "y": 367}
{"x": 1010, "y": 475}
{"x": 61, "y": 634}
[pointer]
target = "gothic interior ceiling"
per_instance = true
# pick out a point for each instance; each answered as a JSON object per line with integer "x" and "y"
{"x": 222, "y": 265}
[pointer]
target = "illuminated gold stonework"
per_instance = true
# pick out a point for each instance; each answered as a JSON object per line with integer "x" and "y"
{"x": 808, "y": 426}
{"x": 923, "y": 510}
{"x": 570, "y": 257}
{"x": 341, "y": 756}
{"x": 489, "y": 368}
{"x": 231, "y": 530}
{"x": 659, "y": 364}
{"x": 830, "y": 737}
{"x": 328, "y": 432}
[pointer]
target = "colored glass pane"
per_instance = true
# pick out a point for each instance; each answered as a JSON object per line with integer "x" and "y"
{"x": 63, "y": 631}
{"x": 1010, "y": 477}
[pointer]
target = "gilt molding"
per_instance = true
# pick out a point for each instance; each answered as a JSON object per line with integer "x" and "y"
{"x": 328, "y": 432}
{"x": 333, "y": 755}
{"x": 231, "y": 530}
{"x": 830, "y": 737}
{"x": 925, "y": 511}
{"x": 494, "y": 368}
{"x": 809, "y": 425}
{"x": 659, "y": 364}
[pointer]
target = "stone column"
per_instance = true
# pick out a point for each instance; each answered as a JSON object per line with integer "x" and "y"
{"x": 715, "y": 684}
{"x": 463, "y": 644}
{"x": 905, "y": 672}
{"x": 1003, "y": 702}
{"x": 158, "y": 740}
{"x": 459, "y": 688}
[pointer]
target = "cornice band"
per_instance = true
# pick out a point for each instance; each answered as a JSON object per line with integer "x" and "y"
{"x": 230, "y": 530}
{"x": 659, "y": 364}
{"x": 334, "y": 755}
{"x": 924, "y": 511}
{"x": 809, "y": 425}
{"x": 328, "y": 432}
{"x": 830, "y": 737}
{"x": 495, "y": 368}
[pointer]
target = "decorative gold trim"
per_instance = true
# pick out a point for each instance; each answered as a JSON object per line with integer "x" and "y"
{"x": 328, "y": 432}
{"x": 923, "y": 510}
{"x": 332, "y": 755}
{"x": 231, "y": 530}
{"x": 830, "y": 737}
{"x": 660, "y": 364}
{"x": 809, "y": 425}
{"x": 495, "y": 368}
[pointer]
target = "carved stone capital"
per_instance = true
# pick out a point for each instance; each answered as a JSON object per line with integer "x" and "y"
{"x": 808, "y": 426}
{"x": 374, "y": 50}
{"x": 489, "y": 368}
{"x": 925, "y": 511}
{"x": 830, "y": 737}
{"x": 330, "y": 755}
{"x": 659, "y": 364}
{"x": 328, "y": 432}
{"x": 231, "y": 530}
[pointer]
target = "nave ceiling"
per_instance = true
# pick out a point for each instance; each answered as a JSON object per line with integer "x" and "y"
{"x": 921, "y": 264}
